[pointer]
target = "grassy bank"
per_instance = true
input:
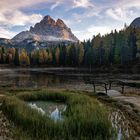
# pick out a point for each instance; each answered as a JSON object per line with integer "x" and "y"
{"x": 84, "y": 119}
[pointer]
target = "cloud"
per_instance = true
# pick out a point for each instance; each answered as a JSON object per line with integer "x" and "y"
{"x": 94, "y": 30}
{"x": 95, "y": 11}
{"x": 17, "y": 18}
{"x": 56, "y": 4}
{"x": 123, "y": 10}
{"x": 87, "y": 14}
{"x": 116, "y": 14}
{"x": 82, "y": 3}
{"x": 19, "y": 4}
{"x": 5, "y": 33}
{"x": 121, "y": 14}
{"x": 99, "y": 29}
{"x": 128, "y": 3}
{"x": 11, "y": 15}
{"x": 82, "y": 35}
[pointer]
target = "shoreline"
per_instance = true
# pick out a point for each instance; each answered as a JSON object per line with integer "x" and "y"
{"x": 124, "y": 69}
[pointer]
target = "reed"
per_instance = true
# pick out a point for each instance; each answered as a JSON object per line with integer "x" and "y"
{"x": 84, "y": 118}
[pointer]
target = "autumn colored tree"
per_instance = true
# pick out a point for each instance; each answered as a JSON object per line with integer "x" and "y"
{"x": 24, "y": 58}
{"x": 57, "y": 55}
{"x": 50, "y": 57}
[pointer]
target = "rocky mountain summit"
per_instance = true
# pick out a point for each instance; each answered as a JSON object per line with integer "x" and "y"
{"x": 47, "y": 30}
{"x": 135, "y": 22}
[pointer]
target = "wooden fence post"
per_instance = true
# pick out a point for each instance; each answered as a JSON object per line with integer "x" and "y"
{"x": 94, "y": 87}
{"x": 106, "y": 88}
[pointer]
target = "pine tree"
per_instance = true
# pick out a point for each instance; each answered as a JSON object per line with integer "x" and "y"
{"x": 81, "y": 54}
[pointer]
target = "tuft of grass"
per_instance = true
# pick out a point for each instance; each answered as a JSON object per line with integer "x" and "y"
{"x": 84, "y": 119}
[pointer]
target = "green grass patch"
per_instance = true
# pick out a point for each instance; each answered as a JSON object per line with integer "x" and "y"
{"x": 84, "y": 119}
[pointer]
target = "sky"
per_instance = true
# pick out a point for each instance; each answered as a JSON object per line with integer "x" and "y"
{"x": 85, "y": 17}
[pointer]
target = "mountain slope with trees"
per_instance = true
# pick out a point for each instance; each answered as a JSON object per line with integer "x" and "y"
{"x": 135, "y": 22}
{"x": 122, "y": 48}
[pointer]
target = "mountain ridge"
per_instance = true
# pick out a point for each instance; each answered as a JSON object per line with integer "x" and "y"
{"x": 47, "y": 30}
{"x": 135, "y": 22}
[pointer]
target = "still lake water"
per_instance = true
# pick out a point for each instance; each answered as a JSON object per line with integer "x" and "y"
{"x": 70, "y": 78}
{"x": 52, "y": 109}
{"x": 37, "y": 78}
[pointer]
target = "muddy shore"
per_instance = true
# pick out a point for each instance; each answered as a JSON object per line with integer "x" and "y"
{"x": 6, "y": 128}
{"x": 131, "y": 112}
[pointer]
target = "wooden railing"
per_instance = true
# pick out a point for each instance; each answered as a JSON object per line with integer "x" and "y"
{"x": 116, "y": 83}
{"x": 106, "y": 84}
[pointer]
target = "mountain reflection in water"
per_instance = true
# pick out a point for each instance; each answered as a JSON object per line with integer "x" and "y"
{"x": 52, "y": 109}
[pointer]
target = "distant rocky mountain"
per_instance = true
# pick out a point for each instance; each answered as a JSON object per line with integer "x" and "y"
{"x": 47, "y": 30}
{"x": 136, "y": 22}
{"x": 4, "y": 41}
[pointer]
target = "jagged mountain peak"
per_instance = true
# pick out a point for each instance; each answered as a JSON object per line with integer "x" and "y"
{"x": 48, "y": 17}
{"x": 48, "y": 20}
{"x": 60, "y": 23}
{"x": 47, "y": 30}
